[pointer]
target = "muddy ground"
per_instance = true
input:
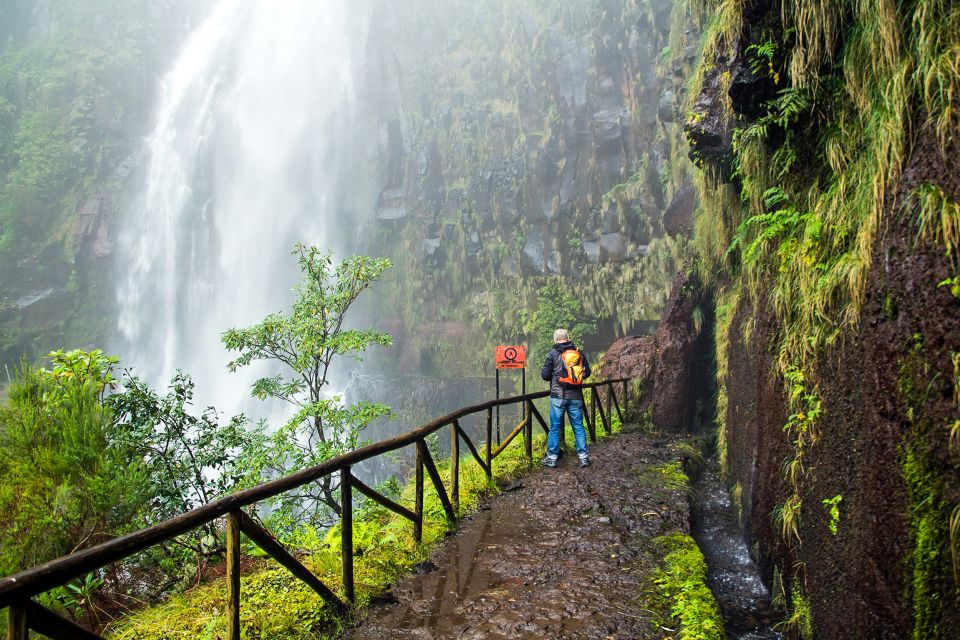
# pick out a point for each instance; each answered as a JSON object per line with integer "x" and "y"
{"x": 564, "y": 553}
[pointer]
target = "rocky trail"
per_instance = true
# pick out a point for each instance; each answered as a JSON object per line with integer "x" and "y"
{"x": 564, "y": 553}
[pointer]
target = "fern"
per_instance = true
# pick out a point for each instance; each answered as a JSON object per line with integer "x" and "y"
{"x": 783, "y": 221}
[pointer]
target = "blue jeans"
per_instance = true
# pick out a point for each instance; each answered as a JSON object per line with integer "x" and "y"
{"x": 573, "y": 408}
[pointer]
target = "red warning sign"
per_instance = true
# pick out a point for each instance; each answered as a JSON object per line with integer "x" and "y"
{"x": 511, "y": 357}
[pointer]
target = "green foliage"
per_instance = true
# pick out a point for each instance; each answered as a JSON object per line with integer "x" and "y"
{"x": 681, "y": 589}
{"x": 952, "y": 285}
{"x": 800, "y": 621}
{"x": 761, "y": 60}
{"x": 190, "y": 459}
{"x": 65, "y": 105}
{"x": 782, "y": 225}
{"x": 833, "y": 509}
{"x": 63, "y": 485}
{"x": 938, "y": 219}
{"x": 305, "y": 342}
{"x": 557, "y": 308}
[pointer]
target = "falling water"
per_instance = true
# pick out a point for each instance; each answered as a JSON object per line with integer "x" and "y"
{"x": 255, "y": 147}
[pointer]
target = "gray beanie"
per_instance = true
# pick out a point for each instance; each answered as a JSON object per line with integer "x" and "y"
{"x": 561, "y": 335}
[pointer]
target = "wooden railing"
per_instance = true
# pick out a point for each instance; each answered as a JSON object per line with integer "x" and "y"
{"x": 17, "y": 591}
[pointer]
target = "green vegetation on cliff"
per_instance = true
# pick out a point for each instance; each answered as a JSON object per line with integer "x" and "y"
{"x": 807, "y": 119}
{"x": 75, "y": 84}
{"x": 531, "y": 145}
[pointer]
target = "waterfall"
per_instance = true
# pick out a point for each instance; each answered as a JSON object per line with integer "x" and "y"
{"x": 254, "y": 148}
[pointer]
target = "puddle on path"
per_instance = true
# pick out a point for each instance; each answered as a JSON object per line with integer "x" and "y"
{"x": 437, "y": 596}
{"x": 734, "y": 578}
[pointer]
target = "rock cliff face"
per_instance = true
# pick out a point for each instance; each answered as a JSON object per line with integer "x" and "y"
{"x": 520, "y": 142}
{"x": 668, "y": 364}
{"x": 838, "y": 323}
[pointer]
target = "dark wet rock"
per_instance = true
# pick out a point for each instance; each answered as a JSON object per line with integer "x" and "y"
{"x": 608, "y": 129}
{"x": 667, "y": 362}
{"x": 385, "y": 597}
{"x": 535, "y": 255}
{"x": 666, "y": 108}
{"x": 33, "y": 297}
{"x": 592, "y": 249}
{"x": 572, "y": 75}
{"x": 91, "y": 231}
{"x": 613, "y": 247}
{"x": 633, "y": 357}
{"x": 430, "y": 247}
{"x": 678, "y": 218}
{"x": 391, "y": 206}
{"x": 422, "y": 568}
{"x": 709, "y": 128}
{"x": 432, "y": 253}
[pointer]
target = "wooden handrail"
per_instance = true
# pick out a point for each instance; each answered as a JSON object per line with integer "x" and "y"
{"x": 16, "y": 590}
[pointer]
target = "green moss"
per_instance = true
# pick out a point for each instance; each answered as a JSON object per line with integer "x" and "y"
{"x": 680, "y": 594}
{"x": 929, "y": 520}
{"x": 665, "y": 478}
{"x": 800, "y": 622}
{"x": 832, "y": 505}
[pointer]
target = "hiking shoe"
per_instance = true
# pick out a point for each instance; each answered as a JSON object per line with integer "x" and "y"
{"x": 549, "y": 462}
{"x": 584, "y": 462}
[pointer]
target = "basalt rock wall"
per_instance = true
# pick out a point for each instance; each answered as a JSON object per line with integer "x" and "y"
{"x": 669, "y": 365}
{"x": 520, "y": 144}
{"x": 838, "y": 332}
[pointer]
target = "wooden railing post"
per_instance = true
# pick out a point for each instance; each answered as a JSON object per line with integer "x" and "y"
{"x": 346, "y": 531}
{"x": 265, "y": 540}
{"x": 528, "y": 430}
{"x": 599, "y": 405}
{"x": 616, "y": 405}
{"x": 594, "y": 399}
{"x": 455, "y": 466}
{"x": 17, "y": 623}
{"x": 233, "y": 576}
{"x": 609, "y": 422}
{"x": 626, "y": 397}
{"x": 437, "y": 481}
{"x": 489, "y": 445}
{"x": 418, "y": 497}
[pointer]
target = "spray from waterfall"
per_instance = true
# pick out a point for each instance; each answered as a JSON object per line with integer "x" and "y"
{"x": 255, "y": 147}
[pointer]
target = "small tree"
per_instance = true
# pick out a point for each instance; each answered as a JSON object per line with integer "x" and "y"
{"x": 557, "y": 308}
{"x": 306, "y": 342}
{"x": 190, "y": 459}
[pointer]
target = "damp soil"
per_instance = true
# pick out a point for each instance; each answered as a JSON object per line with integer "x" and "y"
{"x": 565, "y": 553}
{"x": 732, "y": 574}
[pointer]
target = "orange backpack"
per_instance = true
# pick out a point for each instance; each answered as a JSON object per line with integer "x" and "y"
{"x": 573, "y": 367}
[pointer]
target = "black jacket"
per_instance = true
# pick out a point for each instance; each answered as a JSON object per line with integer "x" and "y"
{"x": 553, "y": 370}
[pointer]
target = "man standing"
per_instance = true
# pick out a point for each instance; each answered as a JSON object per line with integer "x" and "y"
{"x": 566, "y": 368}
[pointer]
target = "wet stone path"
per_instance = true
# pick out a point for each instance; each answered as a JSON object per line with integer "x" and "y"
{"x": 564, "y": 553}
